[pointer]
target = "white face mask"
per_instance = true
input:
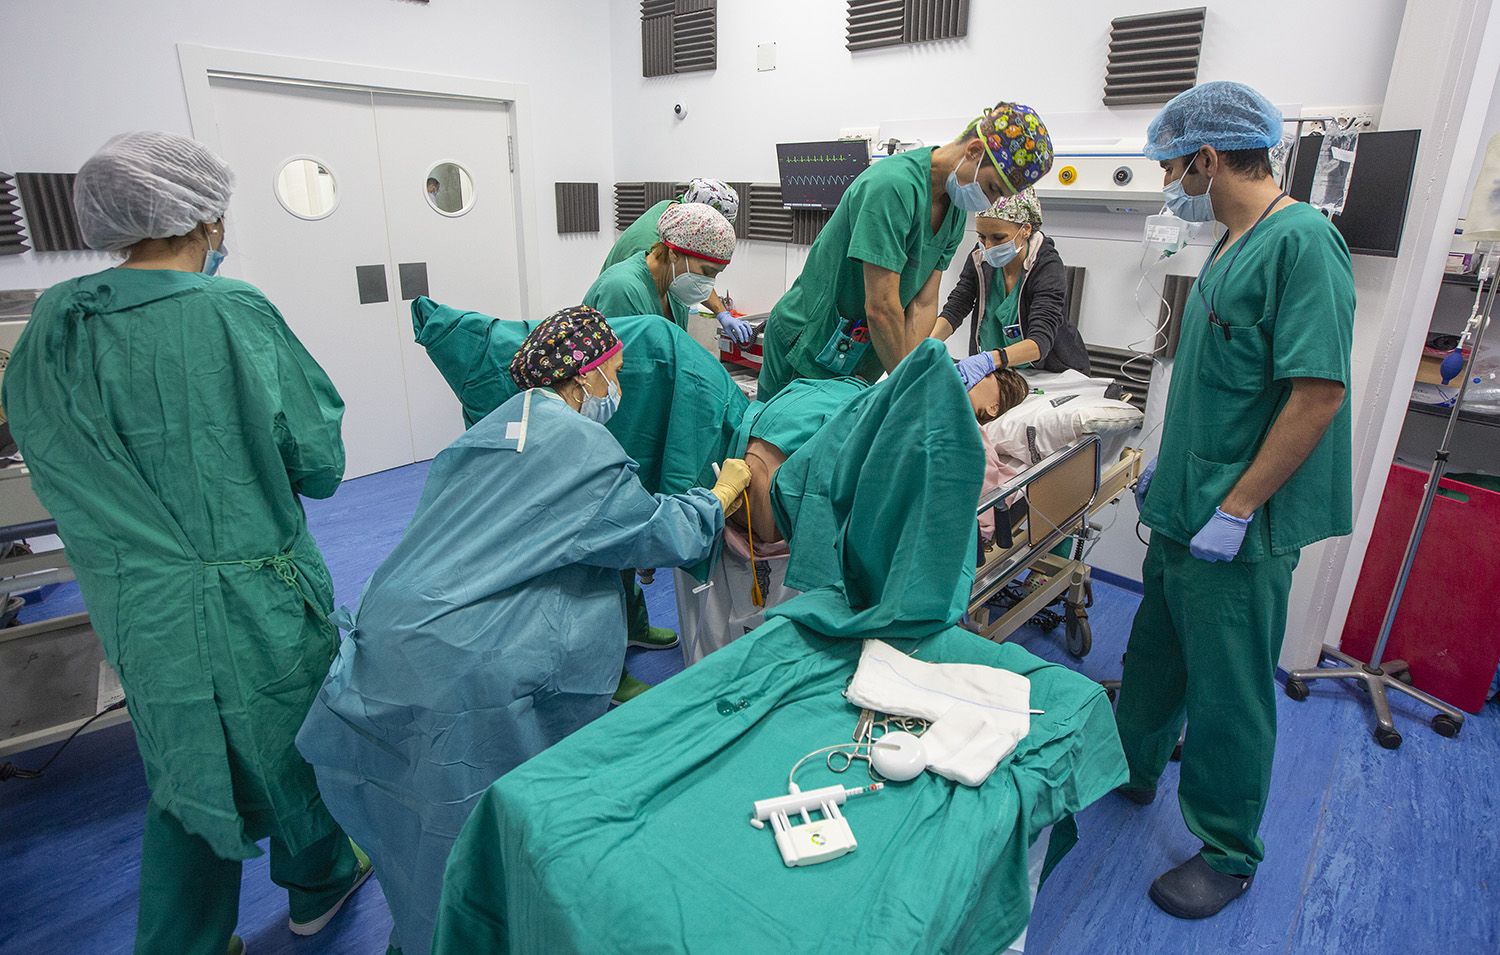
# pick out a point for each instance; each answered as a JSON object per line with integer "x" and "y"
{"x": 600, "y": 409}
{"x": 1186, "y": 207}
{"x": 689, "y": 288}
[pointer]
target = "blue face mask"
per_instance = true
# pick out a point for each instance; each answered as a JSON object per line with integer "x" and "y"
{"x": 601, "y": 409}
{"x": 969, "y": 196}
{"x": 1186, "y": 207}
{"x": 214, "y": 258}
{"x": 999, "y": 256}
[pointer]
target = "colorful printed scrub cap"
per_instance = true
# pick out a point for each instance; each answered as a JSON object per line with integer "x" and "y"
{"x": 1017, "y": 141}
{"x": 699, "y": 230}
{"x": 567, "y": 344}
{"x": 1023, "y": 207}
{"x": 716, "y": 193}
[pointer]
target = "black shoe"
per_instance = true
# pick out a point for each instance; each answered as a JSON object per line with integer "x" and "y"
{"x": 1141, "y": 797}
{"x": 1195, "y": 890}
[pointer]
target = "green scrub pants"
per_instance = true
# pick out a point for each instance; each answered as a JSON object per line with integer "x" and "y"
{"x": 1204, "y": 648}
{"x": 190, "y": 897}
{"x": 637, "y": 618}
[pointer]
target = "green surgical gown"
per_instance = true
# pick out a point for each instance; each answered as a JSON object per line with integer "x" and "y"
{"x": 1287, "y": 319}
{"x": 679, "y": 408}
{"x": 170, "y": 421}
{"x": 628, "y": 288}
{"x": 639, "y": 237}
{"x": 657, "y": 792}
{"x": 884, "y": 219}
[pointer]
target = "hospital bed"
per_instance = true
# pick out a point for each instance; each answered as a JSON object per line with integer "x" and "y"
{"x": 1047, "y": 505}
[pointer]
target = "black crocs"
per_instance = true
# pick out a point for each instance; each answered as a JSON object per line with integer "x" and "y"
{"x": 1195, "y": 890}
{"x": 1141, "y": 797}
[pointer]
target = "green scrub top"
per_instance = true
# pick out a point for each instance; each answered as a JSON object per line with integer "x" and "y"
{"x": 640, "y": 237}
{"x": 1002, "y": 317}
{"x": 1289, "y": 305}
{"x": 885, "y": 219}
{"x": 628, "y": 288}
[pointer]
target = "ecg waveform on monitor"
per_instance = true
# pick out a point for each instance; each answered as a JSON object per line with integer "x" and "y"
{"x": 820, "y": 180}
{"x": 833, "y": 159}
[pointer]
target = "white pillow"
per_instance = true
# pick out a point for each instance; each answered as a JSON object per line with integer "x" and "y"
{"x": 1045, "y": 424}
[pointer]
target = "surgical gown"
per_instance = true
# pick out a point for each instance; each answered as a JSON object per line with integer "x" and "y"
{"x": 639, "y": 237}
{"x": 631, "y": 835}
{"x": 628, "y": 288}
{"x": 493, "y": 630}
{"x": 170, "y": 421}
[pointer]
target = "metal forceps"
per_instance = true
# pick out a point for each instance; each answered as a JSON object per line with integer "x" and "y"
{"x": 867, "y": 731}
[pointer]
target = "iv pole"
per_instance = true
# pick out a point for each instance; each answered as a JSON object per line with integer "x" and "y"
{"x": 1380, "y": 675}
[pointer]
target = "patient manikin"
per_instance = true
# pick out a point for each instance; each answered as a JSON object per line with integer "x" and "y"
{"x": 991, "y": 397}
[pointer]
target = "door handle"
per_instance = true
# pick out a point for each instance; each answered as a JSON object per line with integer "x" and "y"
{"x": 413, "y": 277}
{"x": 372, "y": 285}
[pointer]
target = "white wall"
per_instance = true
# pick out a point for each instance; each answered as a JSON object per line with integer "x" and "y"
{"x": 82, "y": 71}
{"x": 1043, "y": 56}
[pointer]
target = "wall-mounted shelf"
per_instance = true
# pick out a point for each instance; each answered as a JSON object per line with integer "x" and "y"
{"x": 1466, "y": 280}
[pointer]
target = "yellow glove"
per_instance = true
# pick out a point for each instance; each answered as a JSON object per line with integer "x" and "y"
{"x": 734, "y": 477}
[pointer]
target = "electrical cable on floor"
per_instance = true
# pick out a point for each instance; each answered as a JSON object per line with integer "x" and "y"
{"x": 9, "y": 771}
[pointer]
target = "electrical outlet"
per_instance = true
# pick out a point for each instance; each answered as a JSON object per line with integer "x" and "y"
{"x": 868, "y": 133}
{"x": 1361, "y": 119}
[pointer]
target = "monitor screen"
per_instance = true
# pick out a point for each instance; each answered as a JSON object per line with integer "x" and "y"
{"x": 815, "y": 175}
{"x": 1379, "y": 187}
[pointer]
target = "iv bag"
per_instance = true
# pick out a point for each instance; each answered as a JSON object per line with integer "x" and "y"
{"x": 1165, "y": 234}
{"x": 1330, "y": 185}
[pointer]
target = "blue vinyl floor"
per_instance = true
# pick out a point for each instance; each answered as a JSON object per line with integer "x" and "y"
{"x": 1368, "y": 851}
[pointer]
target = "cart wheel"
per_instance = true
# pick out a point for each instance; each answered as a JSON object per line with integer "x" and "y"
{"x": 1390, "y": 739}
{"x": 1405, "y": 677}
{"x": 1446, "y": 725}
{"x": 1297, "y": 690}
{"x": 1079, "y": 634}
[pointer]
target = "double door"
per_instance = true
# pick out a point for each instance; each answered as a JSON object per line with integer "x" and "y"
{"x": 348, "y": 204}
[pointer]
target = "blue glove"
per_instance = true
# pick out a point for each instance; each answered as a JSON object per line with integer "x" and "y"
{"x": 1143, "y": 483}
{"x": 736, "y": 328}
{"x": 973, "y": 369}
{"x": 1220, "y": 538}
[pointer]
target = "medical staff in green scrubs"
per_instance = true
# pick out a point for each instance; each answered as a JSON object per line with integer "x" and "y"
{"x": 868, "y": 293}
{"x": 677, "y": 272}
{"x": 641, "y": 235}
{"x": 171, "y": 422}
{"x": 696, "y": 244}
{"x": 1254, "y": 466}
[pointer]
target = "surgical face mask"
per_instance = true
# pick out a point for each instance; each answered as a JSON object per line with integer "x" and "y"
{"x": 214, "y": 258}
{"x": 1186, "y": 207}
{"x": 968, "y": 196}
{"x": 601, "y": 409}
{"x": 690, "y": 288}
{"x": 999, "y": 256}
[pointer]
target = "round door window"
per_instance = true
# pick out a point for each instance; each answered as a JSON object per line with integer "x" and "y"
{"x": 450, "y": 189}
{"x": 306, "y": 189}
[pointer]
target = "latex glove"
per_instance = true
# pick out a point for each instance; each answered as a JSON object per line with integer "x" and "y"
{"x": 973, "y": 369}
{"x": 734, "y": 477}
{"x": 1142, "y": 483}
{"x": 1220, "y": 538}
{"x": 736, "y": 328}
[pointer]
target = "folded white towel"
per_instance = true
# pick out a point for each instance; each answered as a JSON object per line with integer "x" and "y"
{"x": 978, "y": 714}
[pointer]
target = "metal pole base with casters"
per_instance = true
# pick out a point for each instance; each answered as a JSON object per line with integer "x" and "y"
{"x": 1380, "y": 675}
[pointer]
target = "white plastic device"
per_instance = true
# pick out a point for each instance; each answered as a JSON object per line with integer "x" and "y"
{"x": 899, "y": 756}
{"x": 812, "y": 840}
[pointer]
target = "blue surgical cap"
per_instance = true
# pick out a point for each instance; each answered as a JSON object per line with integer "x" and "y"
{"x": 1220, "y": 114}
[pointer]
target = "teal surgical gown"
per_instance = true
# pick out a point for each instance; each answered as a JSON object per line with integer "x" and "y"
{"x": 170, "y": 421}
{"x": 639, "y": 237}
{"x": 493, "y": 630}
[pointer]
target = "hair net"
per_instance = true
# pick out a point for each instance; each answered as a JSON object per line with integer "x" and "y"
{"x": 699, "y": 230}
{"x": 149, "y": 186}
{"x": 716, "y": 193}
{"x": 1023, "y": 208}
{"x": 1220, "y": 114}
{"x": 566, "y": 344}
{"x": 1017, "y": 142}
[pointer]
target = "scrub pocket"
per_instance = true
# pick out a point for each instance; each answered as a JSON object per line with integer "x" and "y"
{"x": 1208, "y": 483}
{"x": 844, "y": 350}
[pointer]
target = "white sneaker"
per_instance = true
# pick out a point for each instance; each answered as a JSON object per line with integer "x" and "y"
{"x": 321, "y": 922}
